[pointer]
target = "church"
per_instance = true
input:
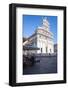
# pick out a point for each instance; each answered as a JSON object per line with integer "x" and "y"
{"x": 42, "y": 38}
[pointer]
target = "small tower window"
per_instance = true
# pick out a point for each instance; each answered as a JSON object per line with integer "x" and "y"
{"x": 40, "y": 36}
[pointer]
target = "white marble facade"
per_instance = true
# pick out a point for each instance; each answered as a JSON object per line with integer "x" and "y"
{"x": 43, "y": 38}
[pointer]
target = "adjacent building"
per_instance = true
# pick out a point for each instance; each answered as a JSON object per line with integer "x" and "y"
{"x": 55, "y": 48}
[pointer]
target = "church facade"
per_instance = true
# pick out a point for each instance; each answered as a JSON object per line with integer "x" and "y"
{"x": 42, "y": 38}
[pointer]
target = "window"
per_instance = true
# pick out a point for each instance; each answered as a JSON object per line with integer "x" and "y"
{"x": 40, "y": 36}
{"x": 46, "y": 49}
{"x": 50, "y": 50}
{"x": 41, "y": 50}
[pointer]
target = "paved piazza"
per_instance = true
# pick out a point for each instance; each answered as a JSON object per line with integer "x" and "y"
{"x": 47, "y": 64}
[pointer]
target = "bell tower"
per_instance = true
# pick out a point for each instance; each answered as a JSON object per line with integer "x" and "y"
{"x": 46, "y": 24}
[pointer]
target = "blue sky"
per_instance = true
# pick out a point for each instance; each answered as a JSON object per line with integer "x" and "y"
{"x": 31, "y": 22}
